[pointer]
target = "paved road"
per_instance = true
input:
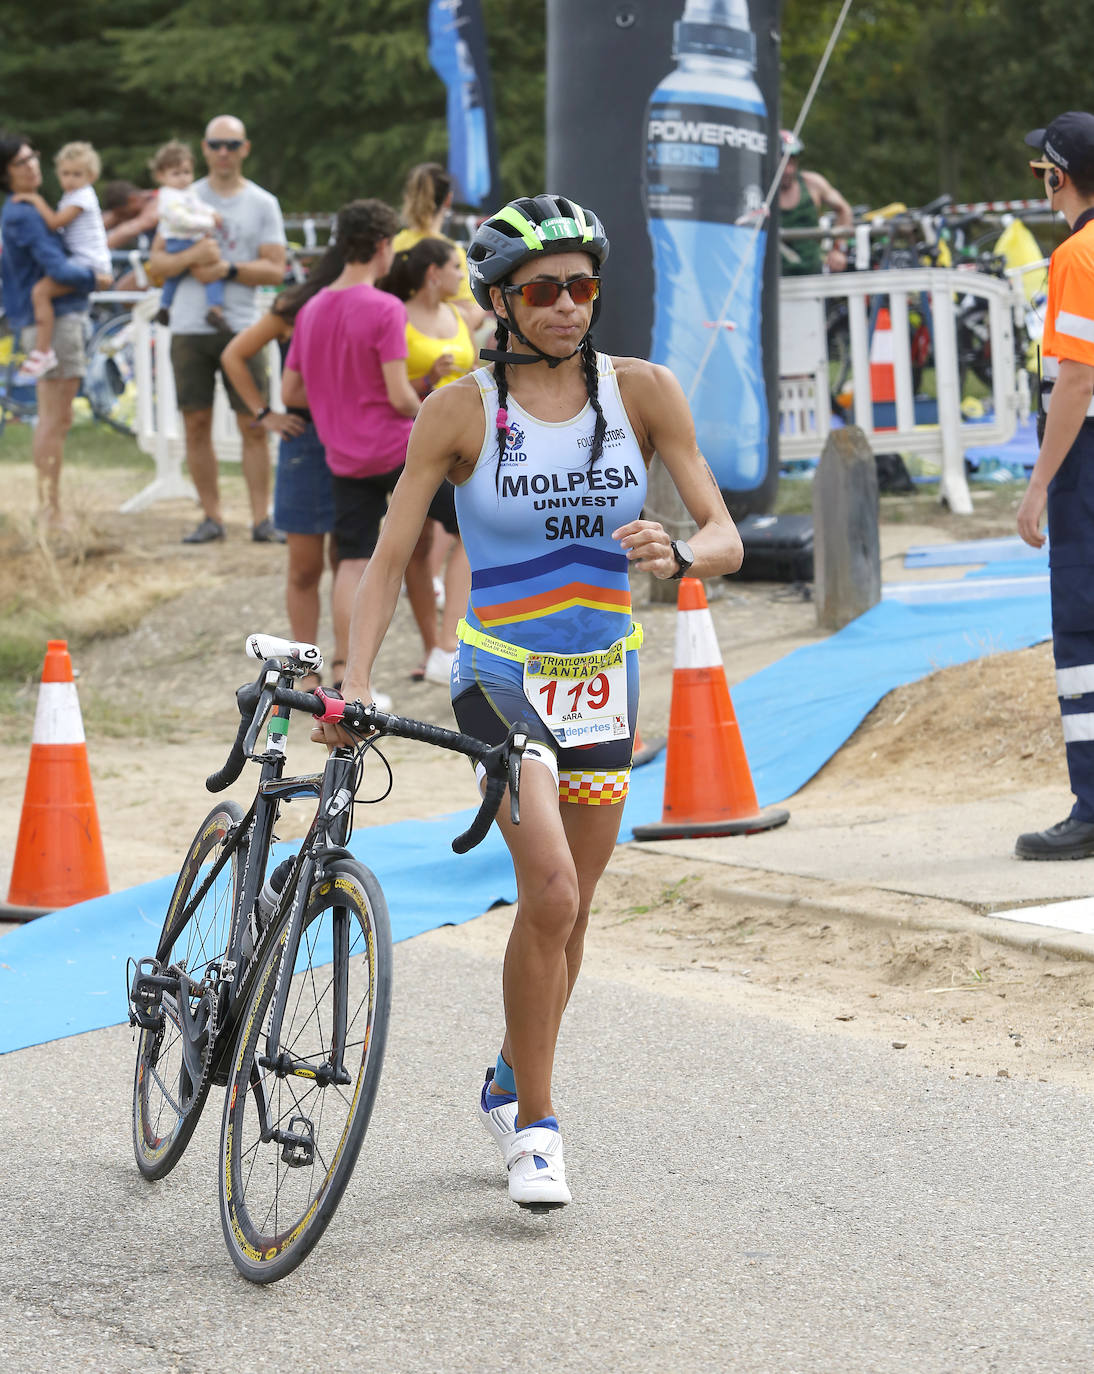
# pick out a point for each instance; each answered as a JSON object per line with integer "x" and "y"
{"x": 747, "y": 1198}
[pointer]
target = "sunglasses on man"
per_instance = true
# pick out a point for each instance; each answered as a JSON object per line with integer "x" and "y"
{"x": 30, "y": 156}
{"x": 1040, "y": 169}
{"x": 543, "y": 293}
{"x": 233, "y": 145}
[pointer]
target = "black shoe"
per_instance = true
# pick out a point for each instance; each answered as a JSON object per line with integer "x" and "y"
{"x": 208, "y": 531}
{"x": 163, "y": 315}
{"x": 1071, "y": 839}
{"x": 265, "y": 533}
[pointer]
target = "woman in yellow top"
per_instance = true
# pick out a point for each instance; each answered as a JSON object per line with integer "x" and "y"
{"x": 427, "y": 200}
{"x": 439, "y": 349}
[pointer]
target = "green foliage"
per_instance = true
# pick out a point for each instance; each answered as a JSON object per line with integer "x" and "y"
{"x": 921, "y": 99}
{"x": 339, "y": 98}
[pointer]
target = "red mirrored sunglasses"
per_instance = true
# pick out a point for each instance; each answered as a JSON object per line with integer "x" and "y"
{"x": 542, "y": 293}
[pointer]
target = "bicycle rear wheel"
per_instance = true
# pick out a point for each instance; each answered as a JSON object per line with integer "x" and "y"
{"x": 289, "y": 1143}
{"x": 168, "y": 1096}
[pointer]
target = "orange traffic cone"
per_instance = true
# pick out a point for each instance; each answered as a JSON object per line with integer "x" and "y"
{"x": 882, "y": 372}
{"x": 708, "y": 784}
{"x": 59, "y": 856}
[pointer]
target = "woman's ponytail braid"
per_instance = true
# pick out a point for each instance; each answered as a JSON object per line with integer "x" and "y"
{"x": 501, "y": 339}
{"x": 592, "y": 385}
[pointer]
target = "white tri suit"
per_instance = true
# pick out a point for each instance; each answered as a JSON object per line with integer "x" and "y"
{"x": 548, "y": 641}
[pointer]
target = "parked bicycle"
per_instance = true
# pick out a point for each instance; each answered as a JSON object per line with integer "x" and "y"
{"x": 279, "y": 988}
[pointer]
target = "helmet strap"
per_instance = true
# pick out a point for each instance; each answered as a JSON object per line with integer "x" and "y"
{"x": 494, "y": 355}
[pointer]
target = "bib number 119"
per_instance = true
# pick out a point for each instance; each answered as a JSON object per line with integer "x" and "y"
{"x": 595, "y": 692}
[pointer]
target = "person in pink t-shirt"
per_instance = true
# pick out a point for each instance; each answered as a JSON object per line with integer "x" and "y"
{"x": 347, "y": 364}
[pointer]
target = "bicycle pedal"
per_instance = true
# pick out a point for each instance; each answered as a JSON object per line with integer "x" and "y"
{"x": 297, "y": 1147}
{"x": 146, "y": 995}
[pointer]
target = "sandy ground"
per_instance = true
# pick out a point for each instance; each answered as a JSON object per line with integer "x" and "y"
{"x": 157, "y": 632}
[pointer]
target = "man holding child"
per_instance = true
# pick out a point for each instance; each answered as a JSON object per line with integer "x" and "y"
{"x": 247, "y": 251}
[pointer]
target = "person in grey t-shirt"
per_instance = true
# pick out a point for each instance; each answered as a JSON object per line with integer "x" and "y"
{"x": 246, "y": 252}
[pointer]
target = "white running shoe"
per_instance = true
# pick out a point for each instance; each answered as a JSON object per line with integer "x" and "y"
{"x": 438, "y": 666}
{"x": 537, "y": 1173}
{"x": 498, "y": 1114}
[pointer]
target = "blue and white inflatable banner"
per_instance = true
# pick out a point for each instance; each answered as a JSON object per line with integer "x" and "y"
{"x": 457, "y": 52}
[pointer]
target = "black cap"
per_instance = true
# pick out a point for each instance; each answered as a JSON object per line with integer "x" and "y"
{"x": 1068, "y": 142}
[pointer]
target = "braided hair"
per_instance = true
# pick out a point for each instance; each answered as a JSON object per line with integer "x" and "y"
{"x": 592, "y": 387}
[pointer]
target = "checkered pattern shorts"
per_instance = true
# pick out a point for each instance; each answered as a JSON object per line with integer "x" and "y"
{"x": 593, "y": 789}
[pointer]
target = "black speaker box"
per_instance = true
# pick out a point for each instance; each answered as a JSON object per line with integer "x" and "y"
{"x": 778, "y": 548}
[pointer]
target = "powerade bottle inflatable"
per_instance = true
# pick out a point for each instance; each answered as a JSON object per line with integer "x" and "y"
{"x": 706, "y": 145}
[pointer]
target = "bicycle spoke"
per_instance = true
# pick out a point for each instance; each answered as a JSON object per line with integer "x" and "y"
{"x": 283, "y": 1190}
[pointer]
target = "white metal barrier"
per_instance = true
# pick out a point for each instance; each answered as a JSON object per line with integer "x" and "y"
{"x": 805, "y": 417}
{"x": 159, "y": 425}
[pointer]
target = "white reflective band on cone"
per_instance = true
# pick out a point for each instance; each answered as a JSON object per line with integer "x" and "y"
{"x": 1078, "y": 729}
{"x": 1075, "y": 682}
{"x": 696, "y": 642}
{"x": 57, "y": 719}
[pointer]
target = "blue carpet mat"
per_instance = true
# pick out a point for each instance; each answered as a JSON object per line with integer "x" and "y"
{"x": 1009, "y": 550}
{"x": 65, "y": 973}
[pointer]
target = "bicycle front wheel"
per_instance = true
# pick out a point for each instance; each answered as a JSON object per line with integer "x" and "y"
{"x": 291, "y": 1137}
{"x": 169, "y": 1088}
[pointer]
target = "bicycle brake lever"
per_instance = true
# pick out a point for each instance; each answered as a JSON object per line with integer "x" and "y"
{"x": 516, "y": 753}
{"x": 265, "y": 701}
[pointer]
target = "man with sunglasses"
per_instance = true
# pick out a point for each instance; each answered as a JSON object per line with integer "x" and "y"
{"x": 1063, "y": 476}
{"x": 32, "y": 252}
{"x": 248, "y": 251}
{"x": 548, "y": 451}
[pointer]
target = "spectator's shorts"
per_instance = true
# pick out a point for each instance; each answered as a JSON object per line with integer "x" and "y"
{"x": 443, "y": 507}
{"x": 195, "y": 361}
{"x": 303, "y": 494}
{"x": 69, "y": 332}
{"x": 359, "y": 506}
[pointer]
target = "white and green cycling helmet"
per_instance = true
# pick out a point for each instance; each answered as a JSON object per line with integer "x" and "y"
{"x": 524, "y": 229}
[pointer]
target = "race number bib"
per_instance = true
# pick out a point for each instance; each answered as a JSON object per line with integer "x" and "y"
{"x": 581, "y": 698}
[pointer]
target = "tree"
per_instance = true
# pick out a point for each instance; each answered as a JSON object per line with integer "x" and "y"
{"x": 924, "y": 99}
{"x": 340, "y": 101}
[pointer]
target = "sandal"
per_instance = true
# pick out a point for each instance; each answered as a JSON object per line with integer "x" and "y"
{"x": 418, "y": 674}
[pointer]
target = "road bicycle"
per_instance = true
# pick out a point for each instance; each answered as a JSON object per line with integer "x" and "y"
{"x": 278, "y": 989}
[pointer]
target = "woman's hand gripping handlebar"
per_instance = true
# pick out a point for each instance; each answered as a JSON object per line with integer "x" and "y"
{"x": 501, "y": 762}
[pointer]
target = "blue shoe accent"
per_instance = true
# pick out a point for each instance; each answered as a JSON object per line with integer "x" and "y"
{"x": 550, "y": 1122}
{"x": 492, "y": 1098}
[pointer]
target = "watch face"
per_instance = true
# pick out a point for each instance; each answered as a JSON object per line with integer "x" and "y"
{"x": 683, "y": 552}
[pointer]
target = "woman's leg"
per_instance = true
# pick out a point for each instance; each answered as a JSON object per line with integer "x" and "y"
{"x": 558, "y": 856}
{"x": 346, "y": 579}
{"x": 419, "y": 589}
{"x": 302, "y": 585}
{"x": 48, "y": 441}
{"x": 457, "y": 591}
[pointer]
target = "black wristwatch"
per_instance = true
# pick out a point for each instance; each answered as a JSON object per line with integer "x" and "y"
{"x": 260, "y": 415}
{"x": 232, "y": 272}
{"x": 684, "y": 559}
